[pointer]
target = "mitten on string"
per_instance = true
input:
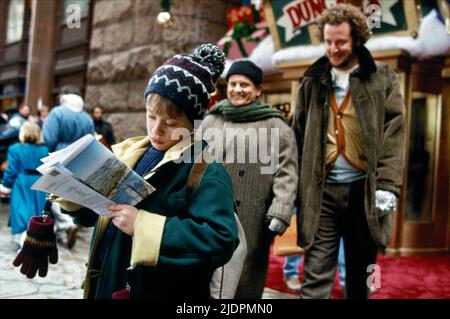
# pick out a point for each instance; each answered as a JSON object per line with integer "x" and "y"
{"x": 39, "y": 247}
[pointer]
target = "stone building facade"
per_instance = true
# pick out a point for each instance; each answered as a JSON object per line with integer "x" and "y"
{"x": 127, "y": 45}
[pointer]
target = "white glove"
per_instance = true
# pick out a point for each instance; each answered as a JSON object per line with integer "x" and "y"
{"x": 385, "y": 201}
{"x": 4, "y": 191}
{"x": 277, "y": 225}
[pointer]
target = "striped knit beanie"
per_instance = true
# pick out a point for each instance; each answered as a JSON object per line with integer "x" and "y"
{"x": 187, "y": 80}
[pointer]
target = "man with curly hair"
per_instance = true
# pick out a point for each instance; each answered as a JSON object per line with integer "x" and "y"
{"x": 349, "y": 125}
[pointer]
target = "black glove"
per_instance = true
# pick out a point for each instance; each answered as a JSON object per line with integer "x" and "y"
{"x": 38, "y": 249}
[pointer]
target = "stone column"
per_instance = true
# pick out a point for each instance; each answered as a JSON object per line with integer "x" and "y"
{"x": 39, "y": 80}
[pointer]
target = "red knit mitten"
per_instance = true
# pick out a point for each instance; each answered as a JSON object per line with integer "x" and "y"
{"x": 38, "y": 249}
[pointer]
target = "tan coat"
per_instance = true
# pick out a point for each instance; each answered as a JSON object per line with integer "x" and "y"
{"x": 380, "y": 111}
{"x": 258, "y": 195}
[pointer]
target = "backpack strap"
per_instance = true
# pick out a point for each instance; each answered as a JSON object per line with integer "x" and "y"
{"x": 195, "y": 175}
{"x": 198, "y": 169}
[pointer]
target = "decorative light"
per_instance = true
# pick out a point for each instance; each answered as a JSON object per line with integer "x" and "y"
{"x": 164, "y": 19}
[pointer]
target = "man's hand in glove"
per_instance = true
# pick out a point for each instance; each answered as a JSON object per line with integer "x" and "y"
{"x": 276, "y": 225}
{"x": 385, "y": 202}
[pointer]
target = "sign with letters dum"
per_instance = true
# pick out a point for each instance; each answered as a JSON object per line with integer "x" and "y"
{"x": 292, "y": 22}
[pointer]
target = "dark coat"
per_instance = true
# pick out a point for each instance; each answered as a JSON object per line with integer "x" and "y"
{"x": 199, "y": 232}
{"x": 380, "y": 110}
{"x": 106, "y": 130}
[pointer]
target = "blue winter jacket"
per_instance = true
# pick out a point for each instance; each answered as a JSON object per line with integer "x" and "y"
{"x": 64, "y": 126}
{"x": 20, "y": 175}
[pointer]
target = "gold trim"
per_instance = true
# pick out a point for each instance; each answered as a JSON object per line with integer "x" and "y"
{"x": 313, "y": 30}
{"x": 294, "y": 94}
{"x": 404, "y": 251}
{"x": 382, "y": 54}
{"x": 295, "y": 63}
{"x": 444, "y": 9}
{"x": 437, "y": 99}
{"x": 445, "y": 73}
{"x": 270, "y": 17}
{"x": 411, "y": 18}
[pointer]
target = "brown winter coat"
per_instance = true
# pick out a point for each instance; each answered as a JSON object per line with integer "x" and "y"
{"x": 380, "y": 111}
{"x": 258, "y": 195}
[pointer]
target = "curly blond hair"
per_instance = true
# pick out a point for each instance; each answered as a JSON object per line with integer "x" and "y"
{"x": 346, "y": 12}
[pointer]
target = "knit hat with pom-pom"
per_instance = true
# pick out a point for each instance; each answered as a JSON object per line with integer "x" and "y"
{"x": 187, "y": 80}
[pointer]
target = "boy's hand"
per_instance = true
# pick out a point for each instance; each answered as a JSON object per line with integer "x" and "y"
{"x": 123, "y": 217}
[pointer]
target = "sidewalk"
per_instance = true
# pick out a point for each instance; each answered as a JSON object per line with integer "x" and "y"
{"x": 63, "y": 280}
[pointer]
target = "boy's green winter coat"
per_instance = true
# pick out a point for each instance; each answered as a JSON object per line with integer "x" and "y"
{"x": 180, "y": 238}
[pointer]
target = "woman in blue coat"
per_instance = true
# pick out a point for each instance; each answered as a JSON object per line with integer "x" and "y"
{"x": 20, "y": 175}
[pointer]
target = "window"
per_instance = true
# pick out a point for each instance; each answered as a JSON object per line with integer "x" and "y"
{"x": 77, "y": 6}
{"x": 16, "y": 13}
{"x": 423, "y": 144}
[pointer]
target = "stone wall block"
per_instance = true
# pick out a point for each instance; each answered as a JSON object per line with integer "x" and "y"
{"x": 92, "y": 96}
{"x": 136, "y": 96}
{"x": 100, "y": 12}
{"x": 194, "y": 24}
{"x": 145, "y": 60}
{"x": 108, "y": 11}
{"x": 148, "y": 8}
{"x": 96, "y": 42}
{"x": 114, "y": 96}
{"x": 127, "y": 45}
{"x": 127, "y": 124}
{"x": 121, "y": 67}
{"x": 118, "y": 36}
{"x": 100, "y": 69}
{"x": 146, "y": 31}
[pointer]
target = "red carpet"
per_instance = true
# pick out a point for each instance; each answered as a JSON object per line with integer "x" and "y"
{"x": 416, "y": 277}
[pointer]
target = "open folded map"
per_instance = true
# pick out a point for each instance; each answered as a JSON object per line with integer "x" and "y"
{"x": 87, "y": 173}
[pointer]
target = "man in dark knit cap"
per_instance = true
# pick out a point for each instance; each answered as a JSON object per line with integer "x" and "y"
{"x": 264, "y": 192}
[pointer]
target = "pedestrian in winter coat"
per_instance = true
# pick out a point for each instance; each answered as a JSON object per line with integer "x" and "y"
{"x": 67, "y": 122}
{"x": 103, "y": 128}
{"x": 20, "y": 175}
{"x": 11, "y": 133}
{"x": 174, "y": 239}
{"x": 349, "y": 124}
{"x": 264, "y": 188}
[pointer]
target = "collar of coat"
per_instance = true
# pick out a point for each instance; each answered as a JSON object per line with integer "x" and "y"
{"x": 321, "y": 68}
{"x": 131, "y": 150}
